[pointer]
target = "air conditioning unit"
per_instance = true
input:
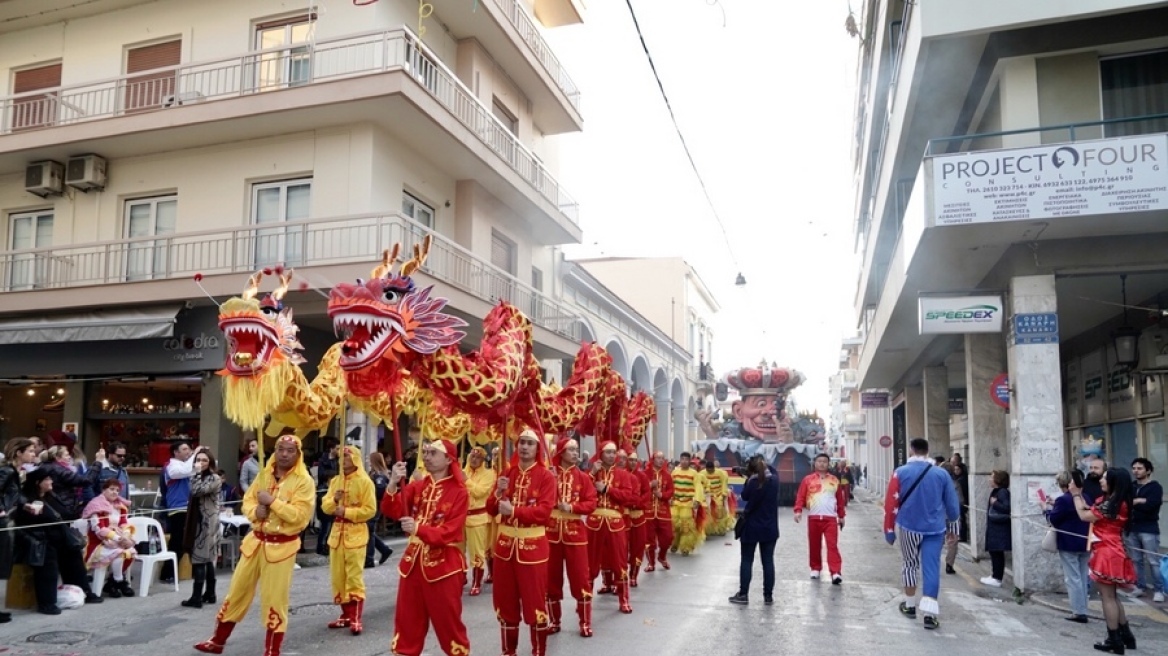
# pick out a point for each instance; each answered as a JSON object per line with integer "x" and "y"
{"x": 86, "y": 172}
{"x": 1153, "y": 350}
{"x": 45, "y": 178}
{"x": 183, "y": 98}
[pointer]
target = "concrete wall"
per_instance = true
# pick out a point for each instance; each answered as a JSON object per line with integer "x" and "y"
{"x": 948, "y": 17}
{"x": 1069, "y": 92}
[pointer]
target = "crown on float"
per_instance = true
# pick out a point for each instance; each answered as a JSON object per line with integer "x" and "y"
{"x": 764, "y": 379}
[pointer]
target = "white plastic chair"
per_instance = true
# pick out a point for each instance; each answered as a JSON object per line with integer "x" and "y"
{"x": 142, "y": 526}
{"x": 82, "y": 527}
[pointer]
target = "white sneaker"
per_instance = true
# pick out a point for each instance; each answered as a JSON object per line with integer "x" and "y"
{"x": 1133, "y": 593}
{"x": 991, "y": 581}
{"x": 1158, "y": 597}
{"x": 815, "y": 574}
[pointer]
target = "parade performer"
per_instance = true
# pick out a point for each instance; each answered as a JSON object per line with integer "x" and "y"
{"x": 279, "y": 505}
{"x": 432, "y": 511}
{"x": 825, "y": 499}
{"x": 351, "y": 500}
{"x": 688, "y": 499}
{"x": 523, "y": 502}
{"x": 717, "y": 485}
{"x": 608, "y": 546}
{"x": 480, "y": 482}
{"x": 111, "y": 538}
{"x": 659, "y": 523}
{"x": 636, "y": 513}
{"x": 568, "y": 538}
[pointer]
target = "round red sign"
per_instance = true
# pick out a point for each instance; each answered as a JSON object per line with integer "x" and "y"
{"x": 885, "y": 441}
{"x": 1000, "y": 391}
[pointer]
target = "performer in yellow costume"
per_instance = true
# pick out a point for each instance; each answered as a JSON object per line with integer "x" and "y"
{"x": 716, "y": 483}
{"x": 279, "y": 505}
{"x": 351, "y": 500}
{"x": 688, "y": 499}
{"x": 480, "y": 536}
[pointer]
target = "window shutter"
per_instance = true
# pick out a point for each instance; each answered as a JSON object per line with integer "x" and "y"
{"x": 39, "y": 110}
{"x": 149, "y": 90}
{"x": 155, "y": 56}
{"x": 501, "y": 253}
{"x": 45, "y": 77}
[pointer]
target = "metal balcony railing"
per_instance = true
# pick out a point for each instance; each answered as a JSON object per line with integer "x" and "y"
{"x": 299, "y": 244}
{"x": 276, "y": 69}
{"x": 531, "y": 36}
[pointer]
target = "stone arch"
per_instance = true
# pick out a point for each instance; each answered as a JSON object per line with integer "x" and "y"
{"x": 658, "y": 437}
{"x": 587, "y": 333}
{"x": 620, "y": 358}
{"x": 677, "y": 416}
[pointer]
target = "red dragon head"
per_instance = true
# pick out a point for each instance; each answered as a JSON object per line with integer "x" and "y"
{"x": 386, "y": 319}
{"x": 260, "y": 333}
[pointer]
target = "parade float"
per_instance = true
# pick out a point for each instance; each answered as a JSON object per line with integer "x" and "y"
{"x": 758, "y": 424}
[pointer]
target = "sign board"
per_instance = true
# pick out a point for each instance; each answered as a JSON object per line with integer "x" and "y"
{"x": 1039, "y": 328}
{"x": 885, "y": 441}
{"x": 1107, "y": 176}
{"x": 957, "y": 401}
{"x": 873, "y": 399}
{"x": 1000, "y": 391}
{"x": 941, "y": 315}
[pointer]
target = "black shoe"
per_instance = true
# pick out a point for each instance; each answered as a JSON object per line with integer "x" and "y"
{"x": 193, "y": 603}
{"x": 49, "y": 610}
{"x": 5, "y": 618}
{"x": 1125, "y": 634}
{"x": 1081, "y": 619}
{"x": 768, "y": 600}
{"x": 932, "y": 622}
{"x": 125, "y": 588}
{"x": 384, "y": 556}
{"x": 739, "y": 599}
{"x": 209, "y": 598}
{"x": 166, "y": 579}
{"x": 908, "y": 611}
{"x": 112, "y": 592}
{"x": 949, "y": 569}
{"x": 836, "y": 579}
{"x": 369, "y": 564}
{"x": 93, "y": 598}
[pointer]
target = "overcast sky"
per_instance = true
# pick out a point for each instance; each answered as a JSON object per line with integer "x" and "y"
{"x": 765, "y": 104}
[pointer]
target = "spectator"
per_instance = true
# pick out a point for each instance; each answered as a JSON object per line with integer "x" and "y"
{"x": 176, "y": 494}
{"x": 1071, "y": 538}
{"x": 17, "y": 452}
{"x": 951, "y": 540}
{"x": 201, "y": 533}
{"x": 585, "y": 460}
{"x": 760, "y": 529}
{"x": 326, "y": 468}
{"x": 111, "y": 463}
{"x": 998, "y": 538}
{"x": 379, "y": 472}
{"x": 58, "y": 462}
{"x": 111, "y": 542}
{"x": 961, "y": 476}
{"x": 44, "y": 545}
{"x": 1142, "y": 534}
{"x": 1092, "y": 486}
{"x": 250, "y": 468}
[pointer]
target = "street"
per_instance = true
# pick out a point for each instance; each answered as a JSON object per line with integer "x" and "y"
{"x": 682, "y": 611}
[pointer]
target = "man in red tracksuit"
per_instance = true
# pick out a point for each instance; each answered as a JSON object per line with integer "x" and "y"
{"x": 608, "y": 546}
{"x": 635, "y": 512}
{"x": 523, "y": 502}
{"x": 567, "y": 537}
{"x": 659, "y": 521}
{"x": 432, "y": 511}
{"x": 825, "y": 500}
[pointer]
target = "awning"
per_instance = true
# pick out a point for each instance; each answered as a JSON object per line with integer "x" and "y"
{"x": 95, "y": 326}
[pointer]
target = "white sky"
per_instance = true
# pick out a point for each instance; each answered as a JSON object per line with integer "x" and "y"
{"x": 765, "y": 104}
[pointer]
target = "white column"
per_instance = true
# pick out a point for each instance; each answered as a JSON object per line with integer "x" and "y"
{"x": 936, "y": 384}
{"x": 1036, "y": 428}
{"x": 985, "y": 358}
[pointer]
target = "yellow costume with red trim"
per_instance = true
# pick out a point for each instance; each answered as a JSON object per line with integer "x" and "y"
{"x": 717, "y": 486}
{"x": 268, "y": 553}
{"x": 688, "y": 520}
{"x": 480, "y": 534}
{"x": 349, "y": 538}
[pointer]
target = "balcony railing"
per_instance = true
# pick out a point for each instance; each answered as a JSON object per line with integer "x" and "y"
{"x": 310, "y": 243}
{"x": 275, "y": 69}
{"x": 531, "y": 36}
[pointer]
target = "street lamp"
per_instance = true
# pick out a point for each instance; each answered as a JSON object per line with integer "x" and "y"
{"x": 1125, "y": 339}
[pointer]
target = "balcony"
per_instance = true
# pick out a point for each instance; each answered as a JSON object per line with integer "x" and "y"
{"x": 387, "y": 78}
{"x": 849, "y": 379}
{"x": 309, "y": 246}
{"x": 514, "y": 40}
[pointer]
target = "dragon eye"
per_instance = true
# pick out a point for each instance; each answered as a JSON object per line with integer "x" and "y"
{"x": 269, "y": 311}
{"x": 392, "y": 295}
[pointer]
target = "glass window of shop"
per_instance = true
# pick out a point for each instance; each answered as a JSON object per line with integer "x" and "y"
{"x": 146, "y": 416}
{"x": 1157, "y": 440}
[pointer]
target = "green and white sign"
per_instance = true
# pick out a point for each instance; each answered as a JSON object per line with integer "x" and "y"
{"x": 946, "y": 315}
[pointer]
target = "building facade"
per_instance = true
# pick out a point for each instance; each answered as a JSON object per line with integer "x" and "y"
{"x": 142, "y": 143}
{"x": 1012, "y": 217}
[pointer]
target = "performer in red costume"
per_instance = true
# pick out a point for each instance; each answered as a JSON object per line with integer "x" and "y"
{"x": 432, "y": 511}
{"x": 523, "y": 502}
{"x": 659, "y": 522}
{"x": 608, "y": 546}
{"x": 635, "y": 512}
{"x": 567, "y": 537}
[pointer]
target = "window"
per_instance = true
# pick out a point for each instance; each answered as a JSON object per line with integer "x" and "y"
{"x": 147, "y": 217}
{"x": 31, "y": 230}
{"x": 502, "y": 140}
{"x": 505, "y": 117}
{"x": 417, "y": 210}
{"x": 503, "y": 256}
{"x": 278, "y": 202}
{"x": 537, "y": 279}
{"x": 1135, "y": 85}
{"x": 288, "y": 67}
{"x": 536, "y": 310}
{"x": 148, "y": 91}
{"x": 38, "y": 110}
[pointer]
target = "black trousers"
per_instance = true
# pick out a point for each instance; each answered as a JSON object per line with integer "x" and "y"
{"x": 63, "y": 562}
{"x": 176, "y": 525}
{"x": 998, "y": 564}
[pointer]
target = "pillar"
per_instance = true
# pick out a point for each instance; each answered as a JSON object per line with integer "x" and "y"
{"x": 1036, "y": 429}
{"x": 936, "y": 384}
{"x": 914, "y": 411}
{"x": 216, "y": 432}
{"x": 985, "y": 358}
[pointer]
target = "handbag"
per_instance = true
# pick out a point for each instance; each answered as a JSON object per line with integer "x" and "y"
{"x": 1050, "y": 540}
{"x": 74, "y": 539}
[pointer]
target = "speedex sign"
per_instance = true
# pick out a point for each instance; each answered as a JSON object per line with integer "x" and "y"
{"x": 960, "y": 314}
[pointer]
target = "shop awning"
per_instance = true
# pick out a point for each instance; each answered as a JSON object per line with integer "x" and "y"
{"x": 94, "y": 326}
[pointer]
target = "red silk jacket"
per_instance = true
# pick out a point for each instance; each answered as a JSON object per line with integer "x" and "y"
{"x": 575, "y": 487}
{"x": 522, "y": 536}
{"x": 439, "y": 508}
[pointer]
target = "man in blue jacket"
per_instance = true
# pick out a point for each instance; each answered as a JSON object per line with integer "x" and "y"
{"x": 1141, "y": 536}
{"x": 921, "y": 506}
{"x": 176, "y": 478}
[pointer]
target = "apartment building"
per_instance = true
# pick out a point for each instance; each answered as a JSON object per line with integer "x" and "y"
{"x": 654, "y": 316}
{"x": 1012, "y": 214}
{"x": 142, "y": 143}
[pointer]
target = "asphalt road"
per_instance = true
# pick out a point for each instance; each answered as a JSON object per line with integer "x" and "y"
{"x": 682, "y": 611}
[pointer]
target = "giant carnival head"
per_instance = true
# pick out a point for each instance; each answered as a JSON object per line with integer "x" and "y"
{"x": 260, "y": 332}
{"x": 763, "y": 396}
